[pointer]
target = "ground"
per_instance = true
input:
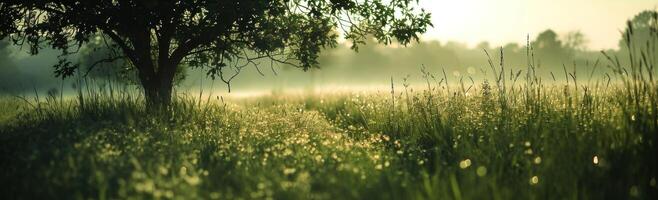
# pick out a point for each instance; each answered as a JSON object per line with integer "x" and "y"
{"x": 536, "y": 141}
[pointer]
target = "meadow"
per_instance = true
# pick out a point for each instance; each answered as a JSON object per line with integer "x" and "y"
{"x": 513, "y": 136}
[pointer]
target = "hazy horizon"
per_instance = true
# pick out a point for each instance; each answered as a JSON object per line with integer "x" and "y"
{"x": 504, "y": 21}
{"x": 458, "y": 26}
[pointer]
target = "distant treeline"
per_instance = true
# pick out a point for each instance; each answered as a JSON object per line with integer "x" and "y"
{"x": 372, "y": 64}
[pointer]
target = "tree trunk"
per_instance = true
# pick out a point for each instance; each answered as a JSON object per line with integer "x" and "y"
{"x": 156, "y": 74}
{"x": 157, "y": 95}
{"x": 158, "y": 88}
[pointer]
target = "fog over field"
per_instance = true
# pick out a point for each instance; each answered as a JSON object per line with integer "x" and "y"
{"x": 341, "y": 68}
{"x": 462, "y": 31}
{"x": 329, "y": 99}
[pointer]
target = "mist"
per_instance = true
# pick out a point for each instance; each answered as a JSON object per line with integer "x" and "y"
{"x": 372, "y": 67}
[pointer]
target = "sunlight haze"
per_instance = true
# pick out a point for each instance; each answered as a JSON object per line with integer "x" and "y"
{"x": 503, "y": 21}
{"x": 329, "y": 99}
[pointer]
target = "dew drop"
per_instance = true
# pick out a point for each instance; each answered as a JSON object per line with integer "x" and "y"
{"x": 534, "y": 180}
{"x": 465, "y": 163}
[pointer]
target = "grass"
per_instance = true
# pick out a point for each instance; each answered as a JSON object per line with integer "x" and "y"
{"x": 560, "y": 144}
{"x": 495, "y": 140}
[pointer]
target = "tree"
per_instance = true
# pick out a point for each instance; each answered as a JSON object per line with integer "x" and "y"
{"x": 91, "y": 58}
{"x": 94, "y": 51}
{"x": 512, "y": 47}
{"x": 7, "y": 68}
{"x": 483, "y": 45}
{"x": 547, "y": 40}
{"x": 548, "y": 47}
{"x": 575, "y": 41}
{"x": 157, "y": 36}
{"x": 638, "y": 30}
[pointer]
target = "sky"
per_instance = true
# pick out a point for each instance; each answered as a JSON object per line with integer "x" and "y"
{"x": 503, "y": 21}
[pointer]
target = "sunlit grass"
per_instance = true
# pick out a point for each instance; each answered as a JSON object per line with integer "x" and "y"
{"x": 409, "y": 144}
{"x": 502, "y": 138}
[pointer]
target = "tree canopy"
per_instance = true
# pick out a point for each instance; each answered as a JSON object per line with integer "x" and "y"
{"x": 157, "y": 36}
{"x": 638, "y": 30}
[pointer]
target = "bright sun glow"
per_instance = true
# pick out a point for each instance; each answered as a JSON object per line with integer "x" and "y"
{"x": 503, "y": 21}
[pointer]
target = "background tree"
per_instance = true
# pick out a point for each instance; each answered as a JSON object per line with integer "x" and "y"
{"x": 550, "y": 50}
{"x": 8, "y": 67}
{"x": 483, "y": 45}
{"x": 157, "y": 36}
{"x": 13, "y": 79}
{"x": 576, "y": 41}
{"x": 638, "y": 30}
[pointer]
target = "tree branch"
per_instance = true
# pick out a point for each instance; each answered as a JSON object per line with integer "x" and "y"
{"x": 106, "y": 60}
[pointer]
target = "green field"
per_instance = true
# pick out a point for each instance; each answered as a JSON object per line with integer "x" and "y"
{"x": 516, "y": 135}
{"x": 549, "y": 119}
{"x": 494, "y": 140}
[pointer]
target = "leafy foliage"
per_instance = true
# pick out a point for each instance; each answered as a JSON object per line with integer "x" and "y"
{"x": 157, "y": 36}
